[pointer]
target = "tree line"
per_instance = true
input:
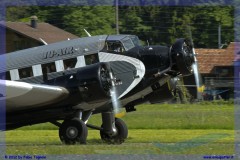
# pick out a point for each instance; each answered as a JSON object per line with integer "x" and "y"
{"x": 155, "y": 24}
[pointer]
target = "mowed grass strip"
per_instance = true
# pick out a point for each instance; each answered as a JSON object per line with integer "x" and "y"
{"x": 140, "y": 141}
{"x": 153, "y": 129}
{"x": 170, "y": 116}
{"x": 182, "y": 116}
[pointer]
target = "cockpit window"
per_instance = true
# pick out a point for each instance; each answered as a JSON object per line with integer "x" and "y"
{"x": 114, "y": 46}
{"x": 121, "y": 43}
{"x": 135, "y": 40}
{"x": 128, "y": 44}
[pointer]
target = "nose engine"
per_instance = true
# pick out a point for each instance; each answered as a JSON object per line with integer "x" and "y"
{"x": 95, "y": 82}
{"x": 182, "y": 56}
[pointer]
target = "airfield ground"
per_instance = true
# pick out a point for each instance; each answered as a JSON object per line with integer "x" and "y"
{"x": 153, "y": 129}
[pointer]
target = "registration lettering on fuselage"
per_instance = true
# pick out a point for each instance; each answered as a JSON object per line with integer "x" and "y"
{"x": 59, "y": 52}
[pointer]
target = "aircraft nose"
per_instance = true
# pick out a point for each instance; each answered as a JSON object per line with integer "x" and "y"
{"x": 183, "y": 56}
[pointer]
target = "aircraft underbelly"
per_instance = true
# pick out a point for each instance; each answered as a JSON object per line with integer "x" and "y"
{"x": 144, "y": 92}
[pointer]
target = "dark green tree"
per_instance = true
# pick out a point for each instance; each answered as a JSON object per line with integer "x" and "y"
{"x": 156, "y": 24}
{"x": 95, "y": 19}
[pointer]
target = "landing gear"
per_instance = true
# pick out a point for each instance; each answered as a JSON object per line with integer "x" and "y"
{"x": 73, "y": 131}
{"x": 119, "y": 137}
{"x": 112, "y": 131}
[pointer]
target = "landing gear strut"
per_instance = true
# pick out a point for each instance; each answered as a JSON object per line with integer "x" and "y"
{"x": 73, "y": 131}
{"x": 114, "y": 130}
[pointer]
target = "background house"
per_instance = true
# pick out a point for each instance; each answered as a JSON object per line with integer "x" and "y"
{"x": 216, "y": 67}
{"x": 20, "y": 35}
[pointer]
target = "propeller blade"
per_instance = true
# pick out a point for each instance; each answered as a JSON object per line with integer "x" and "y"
{"x": 196, "y": 73}
{"x": 115, "y": 100}
{"x": 198, "y": 78}
{"x": 114, "y": 95}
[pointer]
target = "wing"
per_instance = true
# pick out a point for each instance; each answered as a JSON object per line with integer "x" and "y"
{"x": 22, "y": 95}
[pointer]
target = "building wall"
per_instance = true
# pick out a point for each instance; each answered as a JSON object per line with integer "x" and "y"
{"x": 220, "y": 82}
{"x": 16, "y": 41}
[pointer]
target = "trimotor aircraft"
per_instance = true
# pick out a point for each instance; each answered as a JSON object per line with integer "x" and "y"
{"x": 64, "y": 83}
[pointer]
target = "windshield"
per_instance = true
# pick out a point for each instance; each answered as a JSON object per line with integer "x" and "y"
{"x": 121, "y": 43}
{"x": 135, "y": 40}
{"x": 127, "y": 43}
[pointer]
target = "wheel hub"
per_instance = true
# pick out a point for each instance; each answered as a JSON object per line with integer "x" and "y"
{"x": 72, "y": 132}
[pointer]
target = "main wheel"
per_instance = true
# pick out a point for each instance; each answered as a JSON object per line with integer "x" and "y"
{"x": 119, "y": 138}
{"x": 73, "y": 131}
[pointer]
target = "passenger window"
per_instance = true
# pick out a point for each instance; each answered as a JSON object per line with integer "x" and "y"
{"x": 91, "y": 59}
{"x": 48, "y": 68}
{"x": 69, "y": 63}
{"x": 5, "y": 76}
{"x": 25, "y": 72}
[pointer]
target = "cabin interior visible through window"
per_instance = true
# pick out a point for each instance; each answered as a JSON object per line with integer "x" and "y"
{"x": 114, "y": 46}
{"x": 25, "y": 72}
{"x": 48, "y": 68}
{"x": 91, "y": 59}
{"x": 69, "y": 63}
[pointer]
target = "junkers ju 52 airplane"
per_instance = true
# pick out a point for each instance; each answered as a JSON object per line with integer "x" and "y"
{"x": 73, "y": 79}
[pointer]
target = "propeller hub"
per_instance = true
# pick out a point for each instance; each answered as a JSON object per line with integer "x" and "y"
{"x": 183, "y": 56}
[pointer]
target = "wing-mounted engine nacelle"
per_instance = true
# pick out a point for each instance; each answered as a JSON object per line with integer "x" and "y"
{"x": 182, "y": 56}
{"x": 95, "y": 82}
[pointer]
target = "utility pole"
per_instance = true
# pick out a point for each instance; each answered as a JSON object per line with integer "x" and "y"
{"x": 219, "y": 36}
{"x": 116, "y": 16}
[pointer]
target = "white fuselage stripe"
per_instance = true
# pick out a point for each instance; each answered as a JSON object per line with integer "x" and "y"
{"x": 80, "y": 62}
{"x": 103, "y": 57}
{"x": 59, "y": 65}
{"x": 14, "y": 74}
{"x": 37, "y": 70}
{"x": 108, "y": 57}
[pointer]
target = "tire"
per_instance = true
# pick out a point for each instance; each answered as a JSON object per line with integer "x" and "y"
{"x": 73, "y": 131}
{"x": 122, "y": 133}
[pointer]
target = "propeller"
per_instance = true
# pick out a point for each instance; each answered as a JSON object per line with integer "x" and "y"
{"x": 112, "y": 85}
{"x": 185, "y": 61}
{"x": 195, "y": 70}
{"x": 114, "y": 95}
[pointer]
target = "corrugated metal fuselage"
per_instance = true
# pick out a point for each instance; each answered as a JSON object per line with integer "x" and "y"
{"x": 133, "y": 67}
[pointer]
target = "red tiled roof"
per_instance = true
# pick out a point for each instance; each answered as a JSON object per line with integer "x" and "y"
{"x": 45, "y": 31}
{"x": 209, "y": 58}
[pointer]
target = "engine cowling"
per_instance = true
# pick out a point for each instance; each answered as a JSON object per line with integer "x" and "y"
{"x": 182, "y": 56}
{"x": 95, "y": 82}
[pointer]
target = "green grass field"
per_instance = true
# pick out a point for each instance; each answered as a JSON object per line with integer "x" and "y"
{"x": 140, "y": 141}
{"x": 153, "y": 129}
{"x": 170, "y": 116}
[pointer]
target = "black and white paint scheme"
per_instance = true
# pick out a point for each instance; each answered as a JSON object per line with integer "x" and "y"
{"x": 69, "y": 81}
